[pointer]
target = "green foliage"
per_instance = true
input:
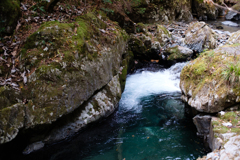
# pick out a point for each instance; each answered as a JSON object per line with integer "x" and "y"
{"x": 232, "y": 73}
{"x": 230, "y": 116}
{"x": 141, "y": 10}
{"x": 107, "y": 1}
{"x": 220, "y": 129}
{"x": 39, "y": 6}
{"x": 107, "y": 10}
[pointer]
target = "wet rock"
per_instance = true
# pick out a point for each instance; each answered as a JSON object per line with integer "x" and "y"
{"x": 203, "y": 124}
{"x": 219, "y": 27}
{"x": 199, "y": 37}
{"x": 33, "y": 147}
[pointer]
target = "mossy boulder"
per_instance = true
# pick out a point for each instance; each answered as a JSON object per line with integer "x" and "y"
{"x": 199, "y": 37}
{"x": 210, "y": 83}
{"x": 9, "y": 14}
{"x": 67, "y": 63}
{"x": 155, "y": 11}
{"x": 143, "y": 47}
{"x": 178, "y": 53}
{"x": 147, "y": 45}
{"x": 163, "y": 35}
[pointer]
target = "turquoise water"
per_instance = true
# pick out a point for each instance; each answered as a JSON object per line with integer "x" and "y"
{"x": 159, "y": 131}
{"x": 150, "y": 124}
{"x": 152, "y": 121}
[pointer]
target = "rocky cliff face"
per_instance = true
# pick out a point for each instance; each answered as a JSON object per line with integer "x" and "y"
{"x": 66, "y": 65}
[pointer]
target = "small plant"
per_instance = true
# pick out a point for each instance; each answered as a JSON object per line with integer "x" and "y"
{"x": 232, "y": 73}
{"x": 39, "y": 5}
{"x": 141, "y": 10}
{"x": 108, "y": 11}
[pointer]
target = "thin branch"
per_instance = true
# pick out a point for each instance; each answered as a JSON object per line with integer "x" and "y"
{"x": 224, "y": 7}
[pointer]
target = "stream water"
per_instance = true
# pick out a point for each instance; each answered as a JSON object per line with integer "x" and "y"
{"x": 224, "y": 23}
{"x": 150, "y": 124}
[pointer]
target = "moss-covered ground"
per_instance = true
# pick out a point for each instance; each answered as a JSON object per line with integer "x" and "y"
{"x": 232, "y": 117}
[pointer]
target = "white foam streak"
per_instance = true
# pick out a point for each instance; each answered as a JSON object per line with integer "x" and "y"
{"x": 147, "y": 83}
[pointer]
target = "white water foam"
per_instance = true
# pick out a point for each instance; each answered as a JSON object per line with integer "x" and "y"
{"x": 148, "y": 83}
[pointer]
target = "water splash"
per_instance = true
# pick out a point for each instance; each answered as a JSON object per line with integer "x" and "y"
{"x": 147, "y": 83}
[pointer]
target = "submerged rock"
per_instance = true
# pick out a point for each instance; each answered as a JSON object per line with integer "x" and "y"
{"x": 199, "y": 37}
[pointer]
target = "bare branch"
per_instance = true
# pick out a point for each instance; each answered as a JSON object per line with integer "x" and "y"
{"x": 223, "y": 7}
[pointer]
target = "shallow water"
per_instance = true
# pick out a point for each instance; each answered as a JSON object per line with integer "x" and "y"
{"x": 218, "y": 22}
{"x": 150, "y": 124}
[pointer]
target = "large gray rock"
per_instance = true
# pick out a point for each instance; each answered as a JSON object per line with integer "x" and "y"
{"x": 199, "y": 37}
{"x": 102, "y": 104}
{"x": 63, "y": 74}
{"x": 208, "y": 84}
{"x": 231, "y": 149}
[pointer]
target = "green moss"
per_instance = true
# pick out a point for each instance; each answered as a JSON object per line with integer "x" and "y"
{"x": 214, "y": 123}
{"x": 8, "y": 96}
{"x": 165, "y": 31}
{"x": 230, "y": 116}
{"x": 235, "y": 130}
{"x": 175, "y": 54}
{"x": 220, "y": 129}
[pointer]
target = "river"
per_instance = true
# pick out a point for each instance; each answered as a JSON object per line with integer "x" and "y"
{"x": 150, "y": 124}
